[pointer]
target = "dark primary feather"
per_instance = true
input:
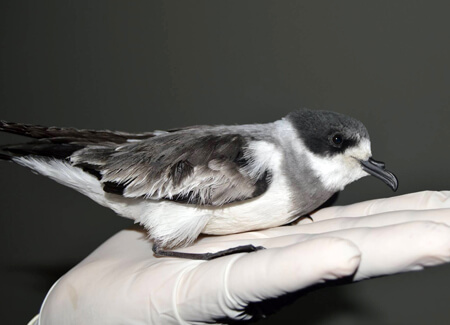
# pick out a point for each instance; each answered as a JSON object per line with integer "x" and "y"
{"x": 41, "y": 148}
{"x": 56, "y": 134}
{"x": 57, "y": 142}
{"x": 199, "y": 165}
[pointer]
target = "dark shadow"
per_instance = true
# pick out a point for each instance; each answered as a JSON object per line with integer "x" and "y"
{"x": 331, "y": 201}
{"x": 313, "y": 311}
{"x": 39, "y": 276}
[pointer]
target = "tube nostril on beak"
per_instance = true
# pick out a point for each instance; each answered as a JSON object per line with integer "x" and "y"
{"x": 380, "y": 164}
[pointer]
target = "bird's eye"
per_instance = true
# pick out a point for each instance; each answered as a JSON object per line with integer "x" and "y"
{"x": 338, "y": 139}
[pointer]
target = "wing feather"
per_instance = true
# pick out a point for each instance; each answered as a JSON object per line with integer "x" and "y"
{"x": 184, "y": 166}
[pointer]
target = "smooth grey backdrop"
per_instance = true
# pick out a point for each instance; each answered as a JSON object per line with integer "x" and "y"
{"x": 144, "y": 65}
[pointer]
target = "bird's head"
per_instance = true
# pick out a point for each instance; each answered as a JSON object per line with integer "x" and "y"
{"x": 338, "y": 148}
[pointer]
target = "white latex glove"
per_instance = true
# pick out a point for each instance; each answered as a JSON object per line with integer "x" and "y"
{"x": 123, "y": 283}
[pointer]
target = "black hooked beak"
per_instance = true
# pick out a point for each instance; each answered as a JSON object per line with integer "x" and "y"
{"x": 377, "y": 169}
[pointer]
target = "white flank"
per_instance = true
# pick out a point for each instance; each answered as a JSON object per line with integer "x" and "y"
{"x": 170, "y": 223}
{"x": 65, "y": 174}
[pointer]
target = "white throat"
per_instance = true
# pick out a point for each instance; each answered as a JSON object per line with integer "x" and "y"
{"x": 340, "y": 170}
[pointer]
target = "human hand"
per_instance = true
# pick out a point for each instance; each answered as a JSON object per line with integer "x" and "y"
{"x": 123, "y": 283}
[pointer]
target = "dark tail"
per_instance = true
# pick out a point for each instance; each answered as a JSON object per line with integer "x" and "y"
{"x": 57, "y": 142}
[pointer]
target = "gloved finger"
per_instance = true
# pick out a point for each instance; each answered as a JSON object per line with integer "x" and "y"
{"x": 328, "y": 225}
{"x": 389, "y": 249}
{"x": 415, "y": 201}
{"x": 378, "y": 220}
{"x": 225, "y": 286}
{"x": 403, "y": 248}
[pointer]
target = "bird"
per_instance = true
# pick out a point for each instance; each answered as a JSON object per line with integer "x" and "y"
{"x": 202, "y": 179}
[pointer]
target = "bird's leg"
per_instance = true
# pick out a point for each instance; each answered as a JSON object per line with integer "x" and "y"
{"x": 206, "y": 256}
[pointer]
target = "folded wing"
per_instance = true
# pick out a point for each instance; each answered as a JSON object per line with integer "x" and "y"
{"x": 185, "y": 167}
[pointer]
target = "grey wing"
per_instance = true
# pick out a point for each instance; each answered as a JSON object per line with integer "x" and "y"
{"x": 187, "y": 167}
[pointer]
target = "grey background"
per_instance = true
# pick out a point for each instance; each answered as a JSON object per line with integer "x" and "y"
{"x": 144, "y": 65}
